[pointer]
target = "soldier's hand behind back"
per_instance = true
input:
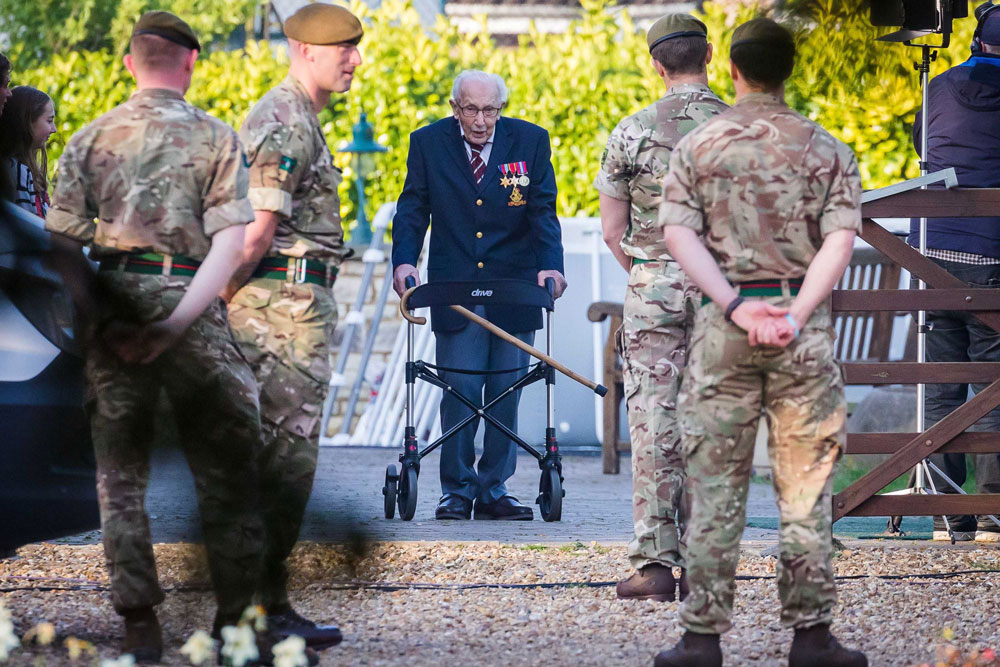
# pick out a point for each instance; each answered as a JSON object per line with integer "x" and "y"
{"x": 156, "y": 338}
{"x": 752, "y": 314}
{"x": 774, "y": 331}
{"x": 141, "y": 345}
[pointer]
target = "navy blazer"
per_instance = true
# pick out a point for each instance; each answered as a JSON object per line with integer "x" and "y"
{"x": 479, "y": 231}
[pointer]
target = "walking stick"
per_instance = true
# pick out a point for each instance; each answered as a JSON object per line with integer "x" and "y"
{"x": 598, "y": 389}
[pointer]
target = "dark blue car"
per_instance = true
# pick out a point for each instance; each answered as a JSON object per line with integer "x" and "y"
{"x": 47, "y": 477}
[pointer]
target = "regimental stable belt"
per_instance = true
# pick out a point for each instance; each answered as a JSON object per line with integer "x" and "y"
{"x": 151, "y": 263}
{"x": 764, "y": 288}
{"x": 295, "y": 270}
{"x": 288, "y": 269}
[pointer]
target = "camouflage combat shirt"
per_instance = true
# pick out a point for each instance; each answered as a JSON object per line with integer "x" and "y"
{"x": 762, "y": 185}
{"x": 158, "y": 174}
{"x": 292, "y": 173}
{"x": 638, "y": 155}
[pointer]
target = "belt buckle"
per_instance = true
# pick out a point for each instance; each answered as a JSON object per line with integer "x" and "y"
{"x": 300, "y": 270}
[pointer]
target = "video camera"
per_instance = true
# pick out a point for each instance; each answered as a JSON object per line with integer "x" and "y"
{"x": 917, "y": 18}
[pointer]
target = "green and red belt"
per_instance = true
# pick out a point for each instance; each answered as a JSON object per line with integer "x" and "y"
{"x": 288, "y": 269}
{"x": 764, "y": 288}
{"x": 151, "y": 263}
{"x": 295, "y": 270}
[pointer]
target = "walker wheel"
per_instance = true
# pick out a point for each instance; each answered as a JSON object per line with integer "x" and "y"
{"x": 550, "y": 494}
{"x": 389, "y": 490}
{"x": 407, "y": 496}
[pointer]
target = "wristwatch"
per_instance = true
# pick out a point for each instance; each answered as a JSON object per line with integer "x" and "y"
{"x": 733, "y": 305}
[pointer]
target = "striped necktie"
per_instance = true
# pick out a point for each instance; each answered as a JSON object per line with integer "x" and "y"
{"x": 476, "y": 162}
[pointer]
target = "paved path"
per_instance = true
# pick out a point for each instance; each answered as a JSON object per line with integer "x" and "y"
{"x": 347, "y": 497}
{"x": 597, "y": 507}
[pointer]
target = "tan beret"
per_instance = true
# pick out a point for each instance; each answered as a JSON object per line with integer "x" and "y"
{"x": 674, "y": 25}
{"x": 168, "y": 26}
{"x": 763, "y": 31}
{"x": 320, "y": 23}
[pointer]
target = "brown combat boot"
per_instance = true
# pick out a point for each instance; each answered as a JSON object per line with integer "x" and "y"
{"x": 143, "y": 638}
{"x": 693, "y": 650}
{"x": 816, "y": 647}
{"x": 653, "y": 582}
{"x": 682, "y": 585}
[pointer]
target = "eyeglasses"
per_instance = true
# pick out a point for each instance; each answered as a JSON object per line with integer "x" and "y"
{"x": 472, "y": 112}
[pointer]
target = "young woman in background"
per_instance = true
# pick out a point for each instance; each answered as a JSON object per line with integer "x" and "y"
{"x": 27, "y": 122}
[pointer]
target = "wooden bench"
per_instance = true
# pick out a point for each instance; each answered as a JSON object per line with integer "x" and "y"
{"x": 611, "y": 446}
{"x": 861, "y": 336}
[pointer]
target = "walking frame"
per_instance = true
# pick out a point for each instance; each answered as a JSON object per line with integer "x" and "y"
{"x": 400, "y": 488}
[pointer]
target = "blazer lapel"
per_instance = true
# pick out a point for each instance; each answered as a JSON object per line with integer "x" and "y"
{"x": 455, "y": 146}
{"x": 501, "y": 148}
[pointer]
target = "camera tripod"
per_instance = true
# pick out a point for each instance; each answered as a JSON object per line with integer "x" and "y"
{"x": 921, "y": 482}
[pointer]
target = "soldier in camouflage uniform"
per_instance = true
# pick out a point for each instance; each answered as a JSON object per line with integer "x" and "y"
{"x": 167, "y": 185}
{"x": 761, "y": 207}
{"x": 659, "y": 302}
{"x": 284, "y": 315}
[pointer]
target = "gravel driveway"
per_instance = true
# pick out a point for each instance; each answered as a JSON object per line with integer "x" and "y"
{"x": 482, "y": 603}
{"x": 505, "y": 593}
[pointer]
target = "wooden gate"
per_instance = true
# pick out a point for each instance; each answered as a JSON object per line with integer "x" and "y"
{"x": 944, "y": 292}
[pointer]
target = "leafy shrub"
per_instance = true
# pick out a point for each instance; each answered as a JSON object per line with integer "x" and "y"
{"x": 577, "y": 84}
{"x": 35, "y": 30}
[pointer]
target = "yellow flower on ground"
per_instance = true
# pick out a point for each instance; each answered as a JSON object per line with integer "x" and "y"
{"x": 199, "y": 647}
{"x": 42, "y": 634}
{"x": 254, "y": 615}
{"x": 239, "y": 645}
{"x": 8, "y": 639}
{"x": 125, "y": 660}
{"x": 290, "y": 653}
{"x": 77, "y": 647}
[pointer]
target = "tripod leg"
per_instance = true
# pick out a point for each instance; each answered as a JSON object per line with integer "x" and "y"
{"x": 895, "y": 524}
{"x": 930, "y": 480}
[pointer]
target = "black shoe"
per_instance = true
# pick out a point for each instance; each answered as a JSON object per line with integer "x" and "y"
{"x": 959, "y": 524}
{"x": 506, "y": 509}
{"x": 143, "y": 638}
{"x": 693, "y": 650}
{"x": 265, "y": 649}
{"x": 318, "y": 637}
{"x": 452, "y": 506}
{"x": 816, "y": 647}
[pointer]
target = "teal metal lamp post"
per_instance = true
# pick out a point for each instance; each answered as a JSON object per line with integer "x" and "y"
{"x": 363, "y": 148}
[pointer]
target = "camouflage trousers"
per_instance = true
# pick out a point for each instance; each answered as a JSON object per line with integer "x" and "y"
{"x": 800, "y": 391}
{"x": 284, "y": 330}
{"x": 214, "y": 398}
{"x": 653, "y": 343}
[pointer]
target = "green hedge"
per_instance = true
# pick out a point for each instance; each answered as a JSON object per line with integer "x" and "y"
{"x": 577, "y": 84}
{"x": 35, "y": 30}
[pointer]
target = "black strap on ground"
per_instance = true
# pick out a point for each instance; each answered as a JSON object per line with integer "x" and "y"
{"x": 389, "y": 587}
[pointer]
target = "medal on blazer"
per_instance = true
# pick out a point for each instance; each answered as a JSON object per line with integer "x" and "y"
{"x": 514, "y": 174}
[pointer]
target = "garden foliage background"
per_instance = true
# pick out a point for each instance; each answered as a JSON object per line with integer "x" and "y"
{"x": 577, "y": 84}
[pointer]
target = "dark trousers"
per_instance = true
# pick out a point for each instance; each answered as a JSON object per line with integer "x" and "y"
{"x": 215, "y": 403}
{"x": 474, "y": 348}
{"x": 958, "y": 336}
